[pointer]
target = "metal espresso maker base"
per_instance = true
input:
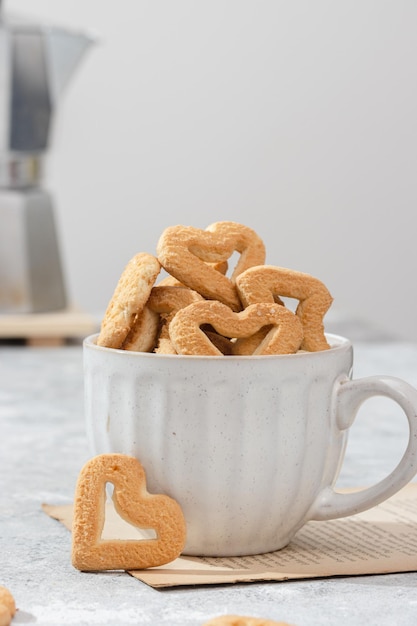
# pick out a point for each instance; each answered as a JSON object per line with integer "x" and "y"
{"x": 31, "y": 274}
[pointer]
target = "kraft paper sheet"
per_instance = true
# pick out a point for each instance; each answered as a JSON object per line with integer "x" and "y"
{"x": 381, "y": 540}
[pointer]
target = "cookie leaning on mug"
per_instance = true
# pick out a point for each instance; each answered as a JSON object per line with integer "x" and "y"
{"x": 135, "y": 505}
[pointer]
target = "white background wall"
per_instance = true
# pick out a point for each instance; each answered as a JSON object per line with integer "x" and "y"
{"x": 297, "y": 118}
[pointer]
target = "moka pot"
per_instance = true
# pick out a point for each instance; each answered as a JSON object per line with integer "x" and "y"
{"x": 36, "y": 62}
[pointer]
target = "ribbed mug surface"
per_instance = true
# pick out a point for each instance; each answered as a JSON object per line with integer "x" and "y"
{"x": 244, "y": 444}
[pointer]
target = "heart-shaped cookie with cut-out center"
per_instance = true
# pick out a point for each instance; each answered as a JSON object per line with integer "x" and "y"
{"x": 135, "y": 505}
{"x": 284, "y": 331}
{"x": 267, "y": 282}
{"x": 186, "y": 253}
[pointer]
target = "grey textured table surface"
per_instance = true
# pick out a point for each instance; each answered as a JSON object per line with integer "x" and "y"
{"x": 42, "y": 448}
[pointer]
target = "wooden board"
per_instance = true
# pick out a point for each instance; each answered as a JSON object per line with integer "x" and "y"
{"x": 47, "y": 328}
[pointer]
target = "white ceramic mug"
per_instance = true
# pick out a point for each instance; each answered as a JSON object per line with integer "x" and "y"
{"x": 250, "y": 447}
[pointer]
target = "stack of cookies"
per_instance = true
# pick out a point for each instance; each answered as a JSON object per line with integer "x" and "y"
{"x": 197, "y": 309}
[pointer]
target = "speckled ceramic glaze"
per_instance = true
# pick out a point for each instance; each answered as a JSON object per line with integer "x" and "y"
{"x": 249, "y": 446}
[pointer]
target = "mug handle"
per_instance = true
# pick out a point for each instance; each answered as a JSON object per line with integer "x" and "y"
{"x": 348, "y": 396}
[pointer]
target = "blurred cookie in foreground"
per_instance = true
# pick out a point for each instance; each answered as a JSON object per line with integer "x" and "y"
{"x": 240, "y": 620}
{"x": 7, "y": 607}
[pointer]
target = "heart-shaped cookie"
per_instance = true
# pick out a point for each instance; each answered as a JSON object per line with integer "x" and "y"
{"x": 135, "y": 505}
{"x": 284, "y": 334}
{"x": 267, "y": 282}
{"x": 186, "y": 253}
{"x": 123, "y": 313}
